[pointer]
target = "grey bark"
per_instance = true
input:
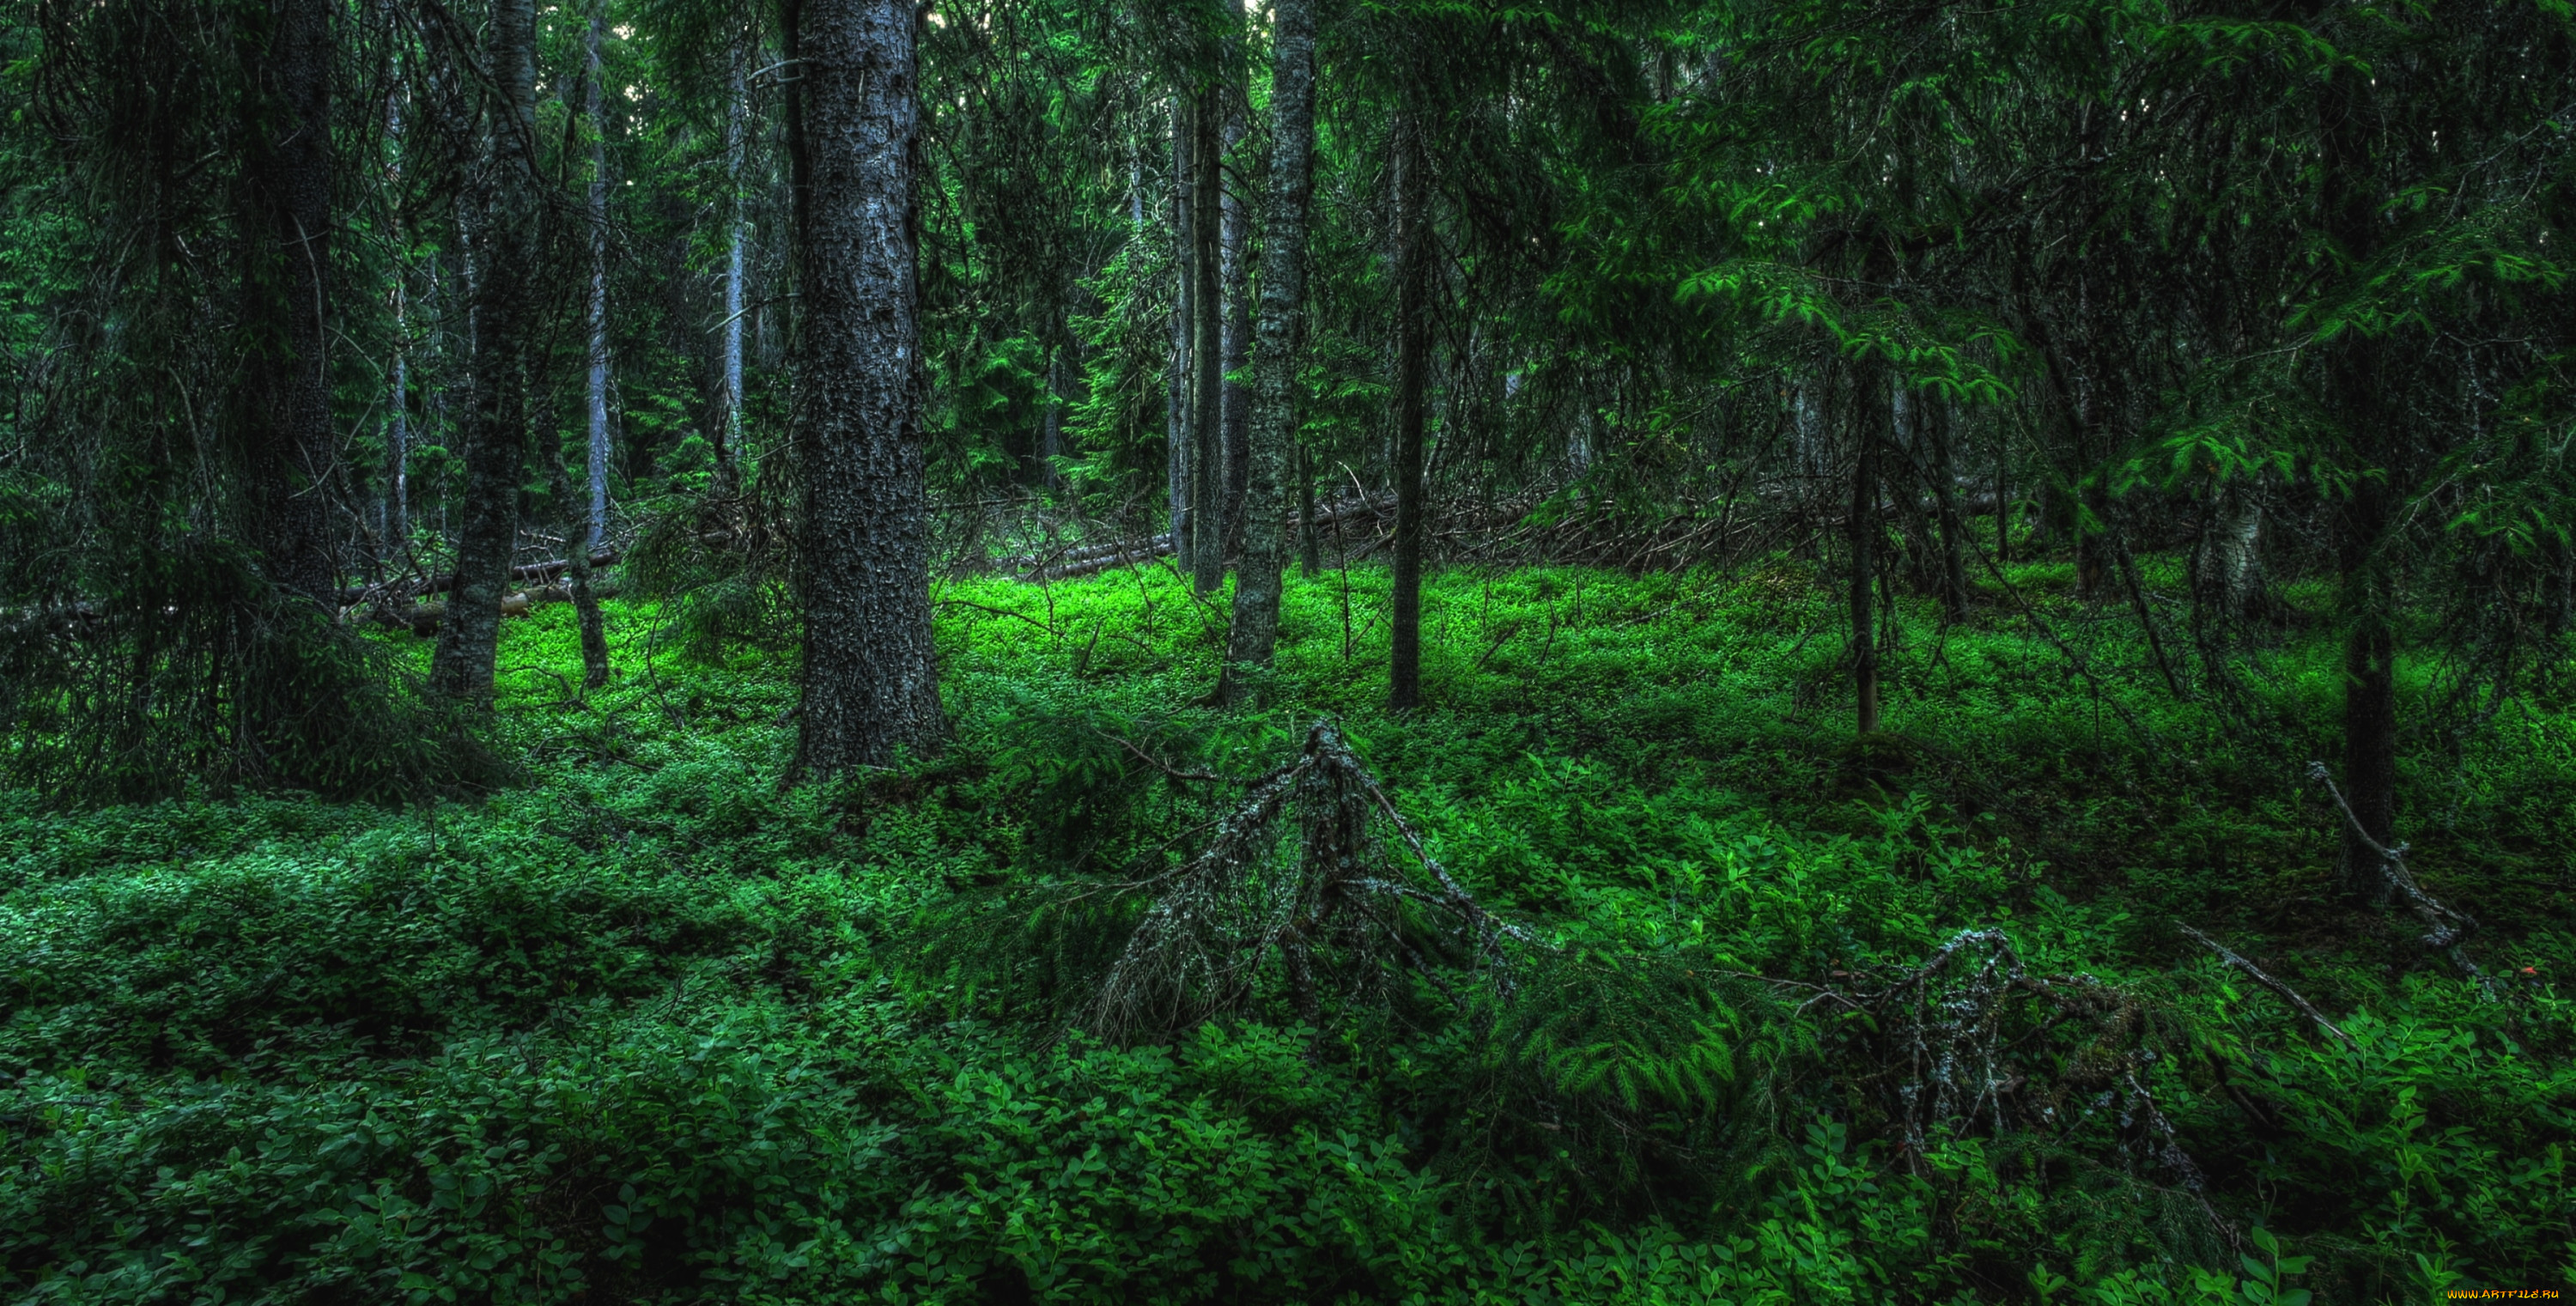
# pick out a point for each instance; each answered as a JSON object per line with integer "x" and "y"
{"x": 1412, "y": 368}
{"x": 1235, "y": 270}
{"x": 504, "y": 242}
{"x": 871, "y": 688}
{"x": 1178, "y": 462}
{"x": 737, "y": 247}
{"x": 1207, "y": 347}
{"x": 2231, "y": 568}
{"x": 594, "y": 629}
{"x": 1272, "y": 438}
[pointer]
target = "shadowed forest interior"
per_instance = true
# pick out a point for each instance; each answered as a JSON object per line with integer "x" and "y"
{"x": 1410, "y": 651}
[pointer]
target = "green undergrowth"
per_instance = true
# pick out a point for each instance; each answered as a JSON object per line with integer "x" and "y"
{"x": 651, "y": 1027}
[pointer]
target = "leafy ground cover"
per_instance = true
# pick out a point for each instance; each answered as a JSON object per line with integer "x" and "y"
{"x": 648, "y": 1027}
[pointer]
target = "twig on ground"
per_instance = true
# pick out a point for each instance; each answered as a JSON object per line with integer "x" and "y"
{"x": 2254, "y": 972}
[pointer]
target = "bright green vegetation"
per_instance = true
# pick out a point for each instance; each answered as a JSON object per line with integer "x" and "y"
{"x": 652, "y": 1028}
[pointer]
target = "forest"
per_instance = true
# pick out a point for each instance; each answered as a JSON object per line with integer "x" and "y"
{"x": 1731, "y": 652}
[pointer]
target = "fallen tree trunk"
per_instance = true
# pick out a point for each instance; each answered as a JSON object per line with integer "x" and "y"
{"x": 440, "y": 584}
{"x": 1092, "y": 559}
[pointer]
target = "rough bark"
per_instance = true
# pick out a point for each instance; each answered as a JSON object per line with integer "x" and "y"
{"x": 1234, "y": 398}
{"x": 504, "y": 242}
{"x": 288, "y": 442}
{"x": 2231, "y": 562}
{"x": 1412, "y": 368}
{"x": 871, "y": 689}
{"x": 1207, "y": 346}
{"x": 1870, "y": 411}
{"x": 1272, "y": 438}
{"x": 594, "y": 630}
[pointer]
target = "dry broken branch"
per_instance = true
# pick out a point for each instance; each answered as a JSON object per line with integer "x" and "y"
{"x": 2256, "y": 973}
{"x": 2446, "y": 930}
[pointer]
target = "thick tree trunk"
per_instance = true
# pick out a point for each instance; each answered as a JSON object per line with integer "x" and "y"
{"x": 2355, "y": 372}
{"x": 1207, "y": 346}
{"x": 289, "y": 445}
{"x": 1412, "y": 369}
{"x": 1273, "y": 435}
{"x": 1870, "y": 413}
{"x": 504, "y": 247}
{"x": 2231, "y": 562}
{"x": 871, "y": 689}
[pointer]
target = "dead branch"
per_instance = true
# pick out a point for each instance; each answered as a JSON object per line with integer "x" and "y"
{"x": 2446, "y": 930}
{"x": 2255, "y": 973}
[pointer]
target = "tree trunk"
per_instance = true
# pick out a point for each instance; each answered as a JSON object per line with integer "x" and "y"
{"x": 1412, "y": 366}
{"x": 1178, "y": 460}
{"x": 1207, "y": 346}
{"x": 504, "y": 266}
{"x": 1310, "y": 552}
{"x": 1051, "y": 422}
{"x": 398, "y": 380}
{"x": 594, "y": 630}
{"x": 1235, "y": 269}
{"x": 2355, "y": 370}
{"x": 871, "y": 689}
{"x": 1870, "y": 413}
{"x": 289, "y": 444}
{"x": 1272, "y": 439}
{"x": 1945, "y": 489}
{"x": 2231, "y": 565}
{"x": 737, "y": 249}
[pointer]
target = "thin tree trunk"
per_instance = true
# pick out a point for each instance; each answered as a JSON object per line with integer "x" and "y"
{"x": 504, "y": 246}
{"x": 1412, "y": 366}
{"x": 2003, "y": 492}
{"x": 398, "y": 381}
{"x": 1945, "y": 488}
{"x": 289, "y": 446}
{"x": 1870, "y": 413}
{"x": 737, "y": 250}
{"x": 1207, "y": 347}
{"x": 871, "y": 689}
{"x": 1272, "y": 439}
{"x": 594, "y": 630}
{"x": 1310, "y": 553}
{"x": 1235, "y": 269}
{"x": 1051, "y": 423}
{"x": 1179, "y": 462}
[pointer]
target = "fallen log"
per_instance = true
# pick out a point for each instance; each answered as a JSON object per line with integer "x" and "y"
{"x": 442, "y": 583}
{"x": 1092, "y": 559}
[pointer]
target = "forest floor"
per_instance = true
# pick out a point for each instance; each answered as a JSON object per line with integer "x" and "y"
{"x": 647, "y": 1026}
